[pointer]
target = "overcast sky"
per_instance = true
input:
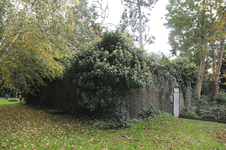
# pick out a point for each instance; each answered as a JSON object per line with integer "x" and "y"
{"x": 156, "y": 23}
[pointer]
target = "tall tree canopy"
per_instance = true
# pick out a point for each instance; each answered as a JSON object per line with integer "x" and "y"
{"x": 194, "y": 24}
{"x": 34, "y": 37}
{"x": 135, "y": 15}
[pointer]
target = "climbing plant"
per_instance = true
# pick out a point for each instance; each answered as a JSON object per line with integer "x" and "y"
{"x": 104, "y": 69}
{"x": 180, "y": 70}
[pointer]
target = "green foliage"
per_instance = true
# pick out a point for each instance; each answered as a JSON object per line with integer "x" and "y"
{"x": 183, "y": 20}
{"x": 214, "y": 111}
{"x": 185, "y": 72}
{"x": 197, "y": 29}
{"x": 165, "y": 60}
{"x": 208, "y": 108}
{"x": 220, "y": 97}
{"x": 203, "y": 100}
{"x": 108, "y": 124}
{"x": 204, "y": 107}
{"x": 179, "y": 69}
{"x": 135, "y": 121}
{"x": 105, "y": 69}
{"x": 32, "y": 46}
{"x": 190, "y": 111}
{"x": 146, "y": 113}
{"x": 84, "y": 26}
{"x": 111, "y": 118}
{"x": 102, "y": 73}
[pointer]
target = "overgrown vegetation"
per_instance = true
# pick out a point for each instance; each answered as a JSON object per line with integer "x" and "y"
{"x": 147, "y": 115}
{"x": 144, "y": 116}
{"x": 181, "y": 70}
{"x": 220, "y": 97}
{"x": 103, "y": 71}
{"x": 207, "y": 107}
{"x": 23, "y": 127}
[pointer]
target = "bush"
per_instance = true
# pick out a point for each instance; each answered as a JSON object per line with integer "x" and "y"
{"x": 190, "y": 111}
{"x": 181, "y": 69}
{"x": 220, "y": 97}
{"x": 146, "y": 113}
{"x": 185, "y": 72}
{"x": 204, "y": 108}
{"x": 214, "y": 111}
{"x": 202, "y": 100}
{"x": 106, "y": 68}
{"x": 103, "y": 71}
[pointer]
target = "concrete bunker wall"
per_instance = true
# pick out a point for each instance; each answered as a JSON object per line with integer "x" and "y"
{"x": 63, "y": 96}
{"x": 151, "y": 96}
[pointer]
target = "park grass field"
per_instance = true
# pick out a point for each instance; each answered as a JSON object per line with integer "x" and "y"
{"x": 4, "y": 102}
{"x": 23, "y": 127}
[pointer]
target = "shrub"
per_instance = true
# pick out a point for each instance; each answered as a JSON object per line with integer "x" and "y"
{"x": 106, "y": 68}
{"x": 189, "y": 111}
{"x": 146, "y": 113}
{"x": 220, "y": 97}
{"x": 214, "y": 111}
{"x": 135, "y": 121}
{"x": 186, "y": 72}
{"x": 103, "y": 71}
{"x": 181, "y": 69}
{"x": 204, "y": 108}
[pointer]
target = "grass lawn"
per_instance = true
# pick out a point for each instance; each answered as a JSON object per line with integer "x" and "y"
{"x": 4, "y": 102}
{"x": 22, "y": 127}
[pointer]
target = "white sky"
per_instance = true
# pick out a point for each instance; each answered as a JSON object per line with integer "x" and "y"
{"x": 156, "y": 23}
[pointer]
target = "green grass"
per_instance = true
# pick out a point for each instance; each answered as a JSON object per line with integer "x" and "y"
{"x": 6, "y": 102}
{"x": 22, "y": 127}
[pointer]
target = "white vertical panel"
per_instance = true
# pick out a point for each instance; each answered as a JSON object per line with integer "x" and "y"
{"x": 176, "y": 102}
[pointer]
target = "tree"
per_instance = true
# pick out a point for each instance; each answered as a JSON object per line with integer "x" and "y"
{"x": 217, "y": 37}
{"x": 190, "y": 23}
{"x": 187, "y": 32}
{"x": 34, "y": 37}
{"x": 133, "y": 12}
{"x": 26, "y": 54}
{"x": 82, "y": 20}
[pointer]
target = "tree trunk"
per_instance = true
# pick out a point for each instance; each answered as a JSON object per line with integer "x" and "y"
{"x": 201, "y": 72}
{"x": 217, "y": 68}
{"x": 214, "y": 63}
{"x": 101, "y": 27}
{"x": 202, "y": 57}
{"x": 215, "y": 72}
{"x": 215, "y": 87}
{"x": 140, "y": 25}
{"x": 207, "y": 88}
